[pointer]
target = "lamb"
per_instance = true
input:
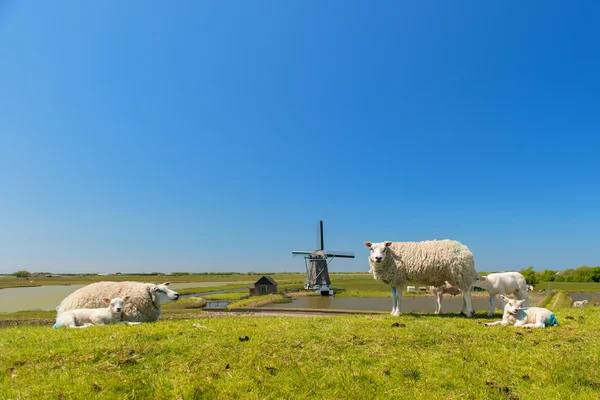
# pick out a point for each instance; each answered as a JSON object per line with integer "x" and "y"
{"x": 431, "y": 262}
{"x": 532, "y": 317}
{"x": 439, "y": 292}
{"x": 84, "y": 317}
{"x": 503, "y": 283}
{"x": 144, "y": 305}
{"x": 580, "y": 303}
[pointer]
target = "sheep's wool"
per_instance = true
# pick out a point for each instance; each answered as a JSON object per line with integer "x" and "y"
{"x": 139, "y": 308}
{"x": 431, "y": 262}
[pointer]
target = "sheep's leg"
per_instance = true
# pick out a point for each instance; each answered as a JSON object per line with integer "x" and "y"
{"x": 464, "y": 306}
{"x": 503, "y": 323}
{"x": 393, "y": 300}
{"x": 492, "y": 300}
{"x": 467, "y": 299}
{"x": 397, "y": 295}
{"x": 438, "y": 303}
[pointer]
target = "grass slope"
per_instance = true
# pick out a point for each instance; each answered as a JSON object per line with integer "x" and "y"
{"x": 341, "y": 357}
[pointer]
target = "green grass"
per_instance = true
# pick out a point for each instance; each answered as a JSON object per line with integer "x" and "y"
{"x": 341, "y": 357}
{"x": 570, "y": 286}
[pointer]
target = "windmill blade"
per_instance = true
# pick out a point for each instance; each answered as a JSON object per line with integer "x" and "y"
{"x": 320, "y": 243}
{"x": 299, "y": 253}
{"x": 340, "y": 254}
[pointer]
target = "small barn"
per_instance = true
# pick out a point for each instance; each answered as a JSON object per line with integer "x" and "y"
{"x": 264, "y": 285}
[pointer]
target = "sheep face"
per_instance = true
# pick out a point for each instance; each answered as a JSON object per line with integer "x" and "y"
{"x": 512, "y": 306}
{"x": 161, "y": 294}
{"x": 115, "y": 305}
{"x": 481, "y": 282}
{"x": 379, "y": 251}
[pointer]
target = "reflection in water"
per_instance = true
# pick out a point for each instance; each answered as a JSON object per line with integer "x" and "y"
{"x": 44, "y": 298}
{"x": 408, "y": 304}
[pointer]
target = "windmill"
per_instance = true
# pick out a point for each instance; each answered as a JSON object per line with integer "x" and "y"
{"x": 317, "y": 261}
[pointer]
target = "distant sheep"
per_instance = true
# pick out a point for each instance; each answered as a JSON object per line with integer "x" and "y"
{"x": 580, "y": 303}
{"x": 430, "y": 262}
{"x": 84, "y": 317}
{"x": 144, "y": 305}
{"x": 440, "y": 291}
{"x": 532, "y": 317}
{"x": 503, "y": 283}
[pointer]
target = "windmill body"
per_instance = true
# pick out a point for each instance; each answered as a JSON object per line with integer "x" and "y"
{"x": 317, "y": 262}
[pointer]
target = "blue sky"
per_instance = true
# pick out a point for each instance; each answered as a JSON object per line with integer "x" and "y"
{"x": 211, "y": 136}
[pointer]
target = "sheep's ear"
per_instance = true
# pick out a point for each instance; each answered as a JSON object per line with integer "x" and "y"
{"x": 368, "y": 244}
{"x": 106, "y": 300}
{"x": 503, "y": 297}
{"x": 126, "y": 298}
{"x": 167, "y": 283}
{"x": 519, "y": 302}
{"x": 387, "y": 244}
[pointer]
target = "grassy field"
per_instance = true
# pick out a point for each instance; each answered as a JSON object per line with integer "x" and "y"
{"x": 341, "y": 357}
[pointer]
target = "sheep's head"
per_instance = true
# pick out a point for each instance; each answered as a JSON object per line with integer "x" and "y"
{"x": 161, "y": 294}
{"x": 379, "y": 251}
{"x": 512, "y": 306}
{"x": 480, "y": 282}
{"x": 115, "y": 305}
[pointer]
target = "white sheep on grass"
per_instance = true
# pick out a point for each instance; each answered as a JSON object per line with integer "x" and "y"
{"x": 432, "y": 262}
{"x": 84, "y": 317}
{"x": 530, "y": 317}
{"x": 144, "y": 305}
{"x": 503, "y": 283}
{"x": 440, "y": 291}
{"x": 581, "y": 303}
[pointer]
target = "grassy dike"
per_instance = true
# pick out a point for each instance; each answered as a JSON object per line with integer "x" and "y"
{"x": 339, "y": 357}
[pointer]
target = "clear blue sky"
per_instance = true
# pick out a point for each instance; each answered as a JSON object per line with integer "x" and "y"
{"x": 211, "y": 136}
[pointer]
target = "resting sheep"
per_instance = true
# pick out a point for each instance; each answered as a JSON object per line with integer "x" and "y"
{"x": 580, "y": 303}
{"x": 144, "y": 305}
{"x": 431, "y": 262}
{"x": 503, "y": 283}
{"x": 84, "y": 317}
{"x": 440, "y": 291}
{"x": 531, "y": 317}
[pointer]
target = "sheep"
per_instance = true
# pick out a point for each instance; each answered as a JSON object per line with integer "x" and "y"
{"x": 84, "y": 317}
{"x": 439, "y": 292}
{"x": 431, "y": 262}
{"x": 144, "y": 305}
{"x": 503, "y": 283}
{"x": 580, "y": 303}
{"x": 531, "y": 317}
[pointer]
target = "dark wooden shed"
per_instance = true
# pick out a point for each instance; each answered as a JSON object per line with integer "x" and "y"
{"x": 264, "y": 285}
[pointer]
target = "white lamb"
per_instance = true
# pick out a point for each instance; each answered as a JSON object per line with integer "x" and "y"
{"x": 431, "y": 262}
{"x": 503, "y": 283}
{"x": 531, "y": 317}
{"x": 440, "y": 291}
{"x": 84, "y": 317}
{"x": 144, "y": 305}
{"x": 580, "y": 303}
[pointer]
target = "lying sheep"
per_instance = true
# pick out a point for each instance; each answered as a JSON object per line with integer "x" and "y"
{"x": 503, "y": 283}
{"x": 145, "y": 302}
{"x": 440, "y": 291}
{"x": 84, "y": 317}
{"x": 430, "y": 262}
{"x": 531, "y": 317}
{"x": 580, "y": 303}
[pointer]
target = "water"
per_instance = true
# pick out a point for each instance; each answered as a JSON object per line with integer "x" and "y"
{"x": 585, "y": 296}
{"x": 217, "y": 303}
{"x": 43, "y": 298}
{"x": 408, "y": 304}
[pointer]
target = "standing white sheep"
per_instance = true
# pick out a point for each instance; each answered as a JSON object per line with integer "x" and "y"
{"x": 432, "y": 262}
{"x": 503, "y": 283}
{"x": 531, "y": 317}
{"x": 84, "y": 317}
{"x": 440, "y": 291}
{"x": 580, "y": 303}
{"x": 144, "y": 305}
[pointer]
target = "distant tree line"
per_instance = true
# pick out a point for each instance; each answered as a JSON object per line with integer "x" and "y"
{"x": 581, "y": 274}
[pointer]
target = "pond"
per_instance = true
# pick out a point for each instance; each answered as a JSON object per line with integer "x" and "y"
{"x": 408, "y": 304}
{"x": 43, "y": 298}
{"x": 585, "y": 296}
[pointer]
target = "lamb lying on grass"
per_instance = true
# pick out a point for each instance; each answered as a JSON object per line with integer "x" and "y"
{"x": 531, "y": 317}
{"x": 580, "y": 303}
{"x": 84, "y": 317}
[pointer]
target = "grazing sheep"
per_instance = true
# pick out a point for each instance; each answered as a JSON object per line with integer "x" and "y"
{"x": 431, "y": 262}
{"x": 439, "y": 292}
{"x": 531, "y": 317}
{"x": 144, "y": 305}
{"x": 84, "y": 317}
{"x": 503, "y": 283}
{"x": 580, "y": 303}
